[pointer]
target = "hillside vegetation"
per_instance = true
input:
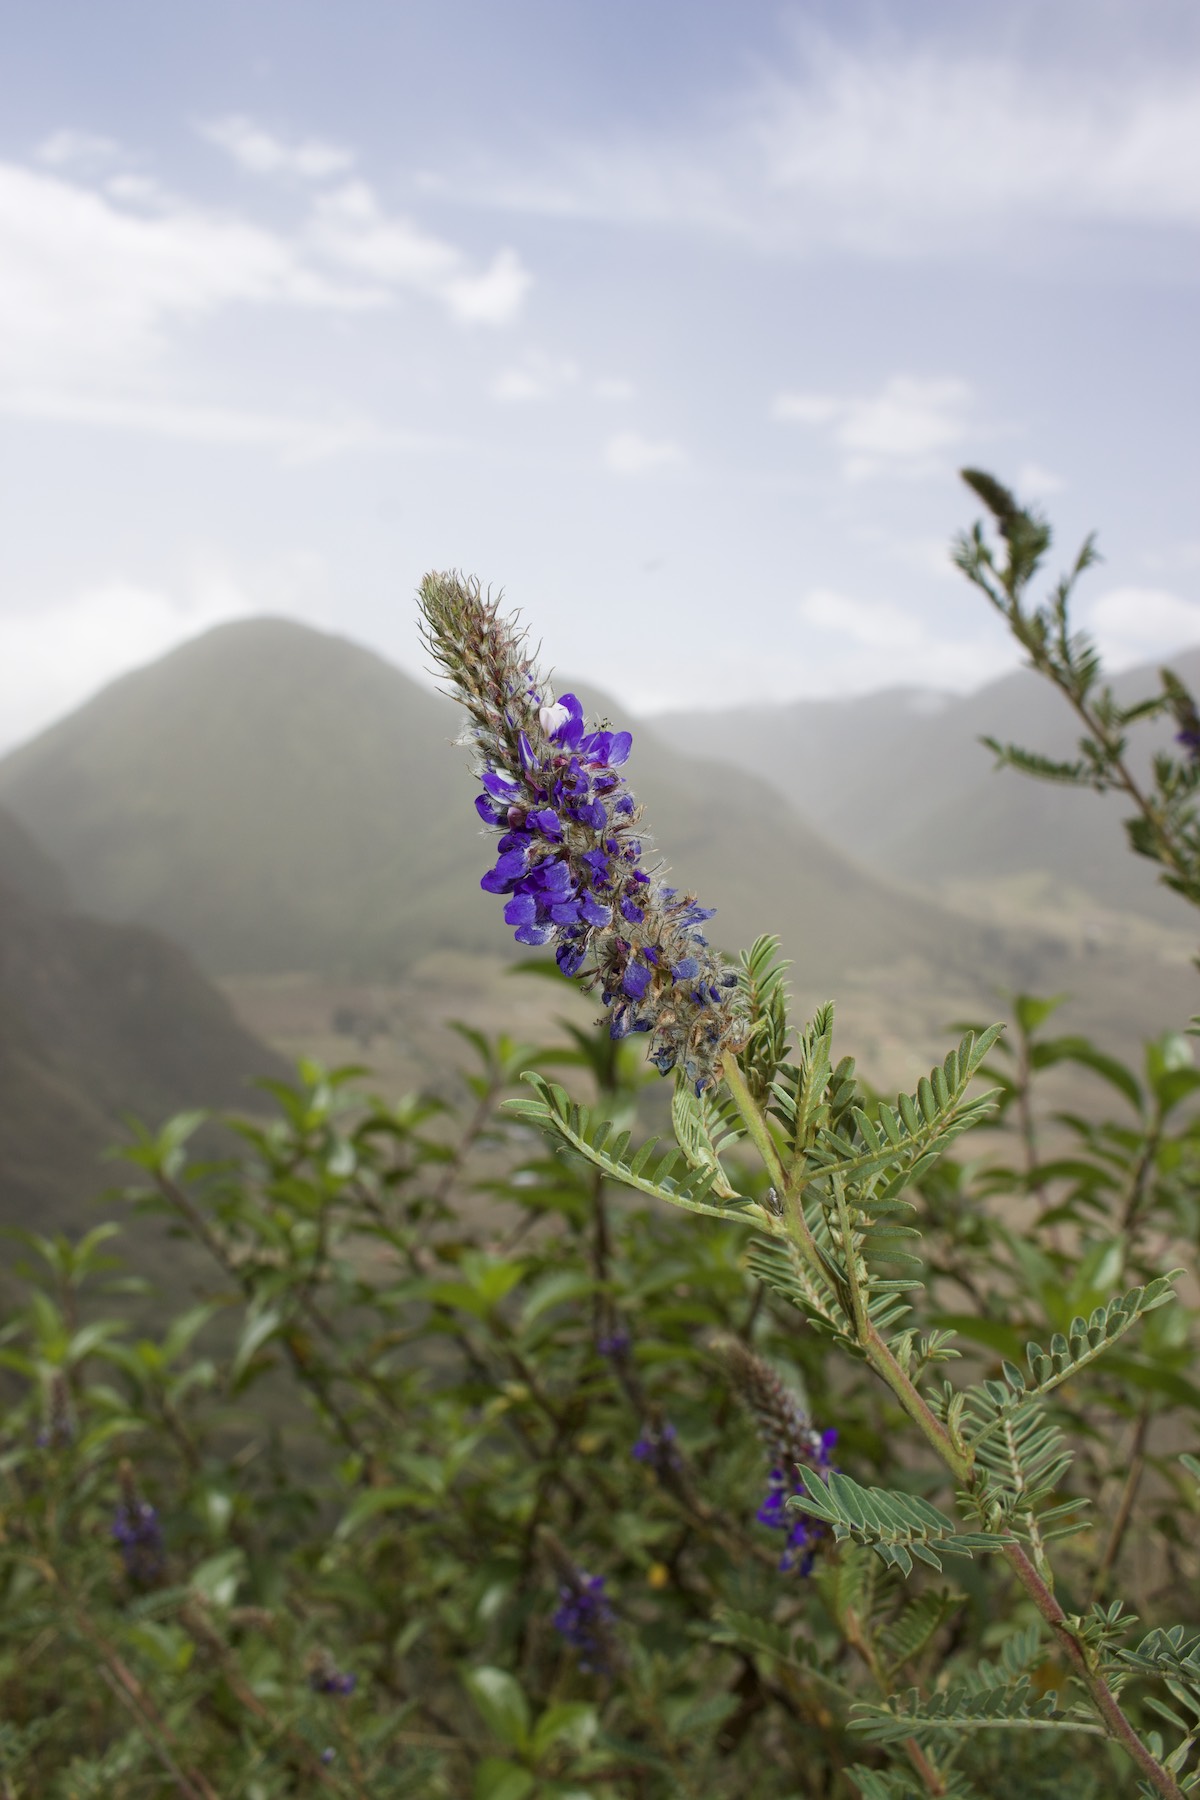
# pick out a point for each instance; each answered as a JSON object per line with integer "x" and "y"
{"x": 901, "y": 780}
{"x": 97, "y": 1020}
{"x": 278, "y": 800}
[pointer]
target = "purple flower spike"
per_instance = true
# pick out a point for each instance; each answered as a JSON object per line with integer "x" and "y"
{"x": 569, "y": 853}
{"x": 585, "y": 1619}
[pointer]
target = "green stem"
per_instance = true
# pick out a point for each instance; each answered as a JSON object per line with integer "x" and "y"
{"x": 756, "y": 1123}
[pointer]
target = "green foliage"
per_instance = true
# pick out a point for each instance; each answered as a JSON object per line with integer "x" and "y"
{"x": 897, "y": 1525}
{"x": 1165, "y": 825}
{"x": 469, "y": 1467}
{"x": 649, "y": 1170}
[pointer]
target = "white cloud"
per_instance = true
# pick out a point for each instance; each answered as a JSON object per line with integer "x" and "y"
{"x": 900, "y": 430}
{"x": 85, "y": 149}
{"x": 56, "y": 656}
{"x": 891, "y": 141}
{"x": 806, "y": 409}
{"x": 90, "y": 288}
{"x": 616, "y": 388}
{"x": 894, "y": 150}
{"x": 893, "y": 647}
{"x": 54, "y": 659}
{"x": 351, "y": 229}
{"x": 628, "y": 453}
{"x": 296, "y": 439}
{"x": 98, "y": 283}
{"x": 261, "y": 153}
{"x": 1132, "y": 624}
{"x": 1034, "y": 482}
{"x": 536, "y": 377}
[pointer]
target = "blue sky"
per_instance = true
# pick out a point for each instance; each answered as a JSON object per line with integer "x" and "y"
{"x": 675, "y": 320}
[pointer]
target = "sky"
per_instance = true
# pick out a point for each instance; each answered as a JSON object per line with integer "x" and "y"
{"x": 673, "y": 319}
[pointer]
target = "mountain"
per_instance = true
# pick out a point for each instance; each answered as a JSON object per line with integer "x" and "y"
{"x": 27, "y": 870}
{"x": 278, "y": 799}
{"x": 97, "y": 1020}
{"x": 901, "y": 780}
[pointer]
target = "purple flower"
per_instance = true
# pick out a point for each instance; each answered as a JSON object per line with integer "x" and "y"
{"x": 569, "y": 851}
{"x": 656, "y": 1447}
{"x": 615, "y": 1345}
{"x": 324, "y": 1677}
{"x": 138, "y": 1534}
{"x": 585, "y": 1619}
{"x": 804, "y": 1533}
{"x": 635, "y": 980}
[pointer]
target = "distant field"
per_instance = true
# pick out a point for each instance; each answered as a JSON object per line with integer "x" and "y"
{"x": 888, "y": 1019}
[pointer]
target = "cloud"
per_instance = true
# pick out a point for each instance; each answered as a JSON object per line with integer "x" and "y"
{"x": 91, "y": 288}
{"x": 82, "y": 149}
{"x": 295, "y": 438}
{"x": 56, "y": 656}
{"x": 350, "y": 229}
{"x": 98, "y": 283}
{"x": 933, "y": 140}
{"x": 614, "y": 388}
{"x": 54, "y": 659}
{"x": 1032, "y": 481}
{"x": 628, "y": 453}
{"x": 896, "y": 150}
{"x": 536, "y": 377}
{"x": 259, "y": 152}
{"x": 900, "y": 430}
{"x": 894, "y": 647}
{"x": 1133, "y": 624}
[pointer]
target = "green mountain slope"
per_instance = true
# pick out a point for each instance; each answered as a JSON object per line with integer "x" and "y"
{"x": 280, "y": 799}
{"x": 901, "y": 780}
{"x": 96, "y": 1020}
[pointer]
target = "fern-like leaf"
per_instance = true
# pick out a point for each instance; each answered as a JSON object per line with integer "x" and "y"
{"x": 987, "y": 1407}
{"x": 703, "y": 1131}
{"x": 897, "y": 1525}
{"x": 960, "y": 1709}
{"x": 648, "y": 1172}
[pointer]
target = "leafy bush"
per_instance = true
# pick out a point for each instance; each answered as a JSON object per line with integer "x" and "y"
{"x": 478, "y": 1471}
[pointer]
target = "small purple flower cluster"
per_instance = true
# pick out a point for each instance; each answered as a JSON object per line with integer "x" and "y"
{"x": 656, "y": 1446}
{"x": 803, "y": 1532}
{"x": 585, "y": 1619}
{"x": 138, "y": 1534}
{"x": 325, "y": 1678}
{"x": 567, "y": 798}
{"x": 569, "y": 856}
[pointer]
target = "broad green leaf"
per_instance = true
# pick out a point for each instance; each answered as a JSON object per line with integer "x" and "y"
{"x": 495, "y": 1778}
{"x": 501, "y": 1703}
{"x": 568, "y": 1722}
